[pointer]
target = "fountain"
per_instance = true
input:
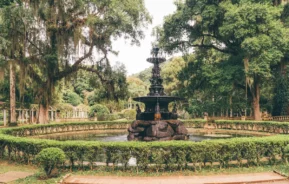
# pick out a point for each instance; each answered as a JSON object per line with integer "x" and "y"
{"x": 156, "y": 123}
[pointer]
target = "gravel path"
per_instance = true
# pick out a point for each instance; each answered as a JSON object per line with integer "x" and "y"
{"x": 266, "y": 177}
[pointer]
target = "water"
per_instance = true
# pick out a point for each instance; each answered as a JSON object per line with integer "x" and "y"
{"x": 122, "y": 136}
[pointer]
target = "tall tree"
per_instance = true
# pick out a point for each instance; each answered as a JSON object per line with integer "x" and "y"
{"x": 11, "y": 43}
{"x": 57, "y": 31}
{"x": 250, "y": 30}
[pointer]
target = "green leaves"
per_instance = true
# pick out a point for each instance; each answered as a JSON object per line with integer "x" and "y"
{"x": 98, "y": 111}
{"x": 46, "y": 35}
{"x": 250, "y": 38}
{"x": 50, "y": 158}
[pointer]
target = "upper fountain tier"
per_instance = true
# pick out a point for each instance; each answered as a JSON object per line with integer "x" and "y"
{"x": 155, "y": 59}
{"x": 156, "y": 88}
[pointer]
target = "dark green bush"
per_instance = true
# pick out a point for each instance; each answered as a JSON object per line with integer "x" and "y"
{"x": 50, "y": 158}
{"x": 99, "y": 111}
{"x": 72, "y": 98}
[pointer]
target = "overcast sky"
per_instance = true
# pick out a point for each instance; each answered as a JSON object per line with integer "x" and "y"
{"x": 134, "y": 57}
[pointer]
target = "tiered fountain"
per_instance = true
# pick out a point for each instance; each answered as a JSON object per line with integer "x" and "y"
{"x": 156, "y": 122}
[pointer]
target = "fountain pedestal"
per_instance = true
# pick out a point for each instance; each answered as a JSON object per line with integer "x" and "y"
{"x": 157, "y": 122}
{"x": 162, "y": 130}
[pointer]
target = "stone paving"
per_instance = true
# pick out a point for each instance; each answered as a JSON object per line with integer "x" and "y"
{"x": 267, "y": 177}
{"x": 13, "y": 175}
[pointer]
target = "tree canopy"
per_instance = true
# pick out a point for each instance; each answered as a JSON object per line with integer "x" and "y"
{"x": 251, "y": 33}
{"x": 51, "y": 40}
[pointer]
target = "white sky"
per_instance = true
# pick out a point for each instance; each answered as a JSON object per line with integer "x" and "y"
{"x": 134, "y": 57}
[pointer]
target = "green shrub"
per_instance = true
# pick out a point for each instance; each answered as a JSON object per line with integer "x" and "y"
{"x": 72, "y": 98}
{"x": 50, "y": 158}
{"x": 120, "y": 115}
{"x": 184, "y": 115}
{"x": 111, "y": 117}
{"x": 130, "y": 114}
{"x": 99, "y": 111}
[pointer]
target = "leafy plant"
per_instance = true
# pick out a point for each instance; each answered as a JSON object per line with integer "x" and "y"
{"x": 129, "y": 114}
{"x": 72, "y": 98}
{"x": 50, "y": 158}
{"x": 99, "y": 111}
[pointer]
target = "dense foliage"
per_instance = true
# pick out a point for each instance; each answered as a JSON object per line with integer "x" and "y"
{"x": 51, "y": 40}
{"x": 235, "y": 55}
{"x": 240, "y": 41}
{"x": 281, "y": 97}
{"x": 129, "y": 114}
{"x": 99, "y": 111}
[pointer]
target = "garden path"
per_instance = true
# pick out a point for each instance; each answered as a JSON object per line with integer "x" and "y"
{"x": 13, "y": 175}
{"x": 265, "y": 177}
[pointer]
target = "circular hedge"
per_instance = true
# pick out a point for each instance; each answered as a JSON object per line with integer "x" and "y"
{"x": 161, "y": 155}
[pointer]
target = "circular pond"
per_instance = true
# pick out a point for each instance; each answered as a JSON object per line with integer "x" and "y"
{"x": 121, "y": 136}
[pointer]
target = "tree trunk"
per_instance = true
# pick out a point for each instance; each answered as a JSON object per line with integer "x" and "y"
{"x": 256, "y": 99}
{"x": 12, "y": 95}
{"x": 255, "y": 91}
{"x": 231, "y": 108}
{"x": 43, "y": 114}
{"x": 257, "y": 113}
{"x": 1, "y": 74}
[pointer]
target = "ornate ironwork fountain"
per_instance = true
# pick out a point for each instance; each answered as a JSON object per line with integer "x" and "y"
{"x": 157, "y": 122}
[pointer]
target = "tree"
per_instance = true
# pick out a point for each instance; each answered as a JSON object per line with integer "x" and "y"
{"x": 136, "y": 87}
{"x": 250, "y": 30}
{"x": 55, "y": 31}
{"x": 169, "y": 72}
{"x": 11, "y": 44}
{"x": 213, "y": 82}
{"x": 280, "y": 103}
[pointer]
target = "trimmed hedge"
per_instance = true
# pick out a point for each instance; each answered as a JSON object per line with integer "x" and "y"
{"x": 173, "y": 155}
{"x": 79, "y": 126}
{"x": 261, "y": 126}
{"x": 65, "y": 127}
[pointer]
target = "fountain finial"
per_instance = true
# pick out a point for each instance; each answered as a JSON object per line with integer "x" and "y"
{"x": 155, "y": 51}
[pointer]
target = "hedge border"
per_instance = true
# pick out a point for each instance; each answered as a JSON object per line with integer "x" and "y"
{"x": 163, "y": 155}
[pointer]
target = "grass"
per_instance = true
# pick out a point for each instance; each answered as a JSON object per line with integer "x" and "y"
{"x": 104, "y": 171}
{"x": 1, "y": 123}
{"x": 283, "y": 169}
{"x": 118, "y": 171}
{"x": 35, "y": 180}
